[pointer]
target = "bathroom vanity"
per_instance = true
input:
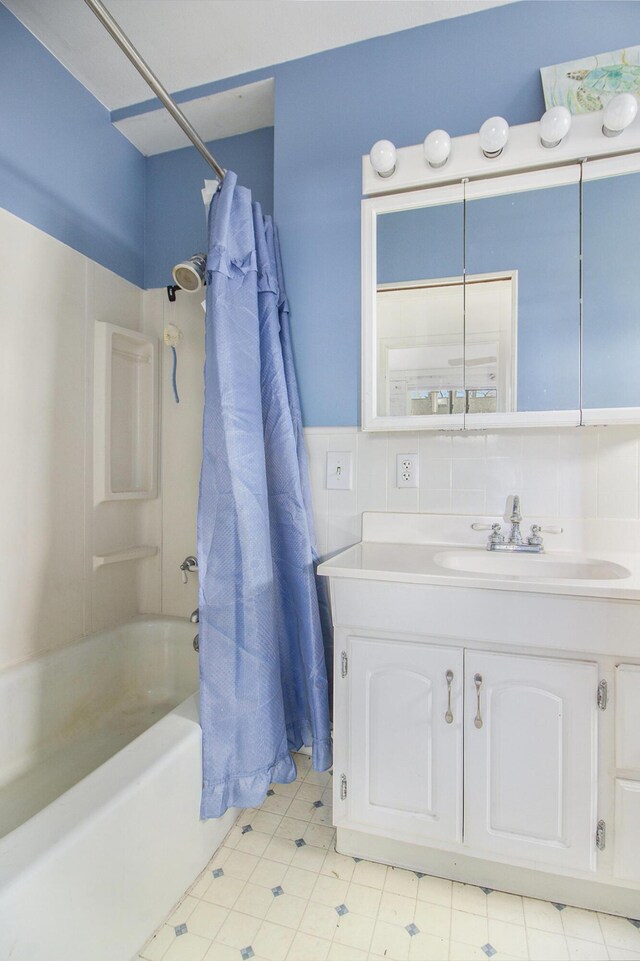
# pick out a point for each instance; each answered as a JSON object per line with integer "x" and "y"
{"x": 487, "y": 707}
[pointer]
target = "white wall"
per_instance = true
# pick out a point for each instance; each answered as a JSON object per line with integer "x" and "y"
{"x": 49, "y": 594}
{"x": 571, "y": 472}
{"x": 181, "y": 442}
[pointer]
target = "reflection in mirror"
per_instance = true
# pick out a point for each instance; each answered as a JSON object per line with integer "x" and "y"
{"x": 611, "y": 284}
{"x": 532, "y": 238}
{"x": 420, "y": 311}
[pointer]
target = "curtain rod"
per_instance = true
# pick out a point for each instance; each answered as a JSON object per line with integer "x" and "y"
{"x": 147, "y": 74}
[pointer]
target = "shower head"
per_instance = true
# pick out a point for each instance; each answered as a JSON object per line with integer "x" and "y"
{"x": 191, "y": 274}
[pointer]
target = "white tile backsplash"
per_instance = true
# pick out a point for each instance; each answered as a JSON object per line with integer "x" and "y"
{"x": 564, "y": 473}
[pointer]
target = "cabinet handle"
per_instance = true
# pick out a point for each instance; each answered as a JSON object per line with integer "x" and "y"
{"x": 477, "y": 679}
{"x": 449, "y": 715}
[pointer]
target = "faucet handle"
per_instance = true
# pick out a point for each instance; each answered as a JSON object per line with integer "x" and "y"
{"x": 496, "y": 537}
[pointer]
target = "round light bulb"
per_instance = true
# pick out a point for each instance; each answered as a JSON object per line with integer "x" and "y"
{"x": 618, "y": 114}
{"x": 554, "y": 126}
{"x": 437, "y": 147}
{"x": 494, "y": 134}
{"x": 383, "y": 158}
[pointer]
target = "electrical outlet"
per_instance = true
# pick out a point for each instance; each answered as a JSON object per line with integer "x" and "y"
{"x": 339, "y": 470}
{"x": 407, "y": 470}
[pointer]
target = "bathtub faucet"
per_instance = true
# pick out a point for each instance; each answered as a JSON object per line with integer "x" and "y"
{"x": 189, "y": 565}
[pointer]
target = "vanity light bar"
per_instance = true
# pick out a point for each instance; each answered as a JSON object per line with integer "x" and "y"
{"x": 558, "y": 138}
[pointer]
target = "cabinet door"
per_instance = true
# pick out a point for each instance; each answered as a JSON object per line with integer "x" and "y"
{"x": 405, "y": 772}
{"x": 530, "y": 758}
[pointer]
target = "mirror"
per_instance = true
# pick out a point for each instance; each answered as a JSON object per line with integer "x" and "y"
{"x": 522, "y": 310}
{"x": 471, "y": 304}
{"x": 419, "y": 348}
{"x": 611, "y": 288}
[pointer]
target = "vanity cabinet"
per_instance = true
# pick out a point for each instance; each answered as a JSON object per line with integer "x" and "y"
{"x": 405, "y": 722}
{"x": 524, "y": 785}
{"x": 530, "y": 758}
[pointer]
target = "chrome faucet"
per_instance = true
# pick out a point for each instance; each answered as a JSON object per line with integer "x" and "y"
{"x": 195, "y": 616}
{"x": 514, "y": 542}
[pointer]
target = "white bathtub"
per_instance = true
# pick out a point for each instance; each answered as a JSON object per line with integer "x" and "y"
{"x": 100, "y": 774}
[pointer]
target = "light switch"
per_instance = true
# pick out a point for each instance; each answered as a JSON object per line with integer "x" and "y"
{"x": 339, "y": 469}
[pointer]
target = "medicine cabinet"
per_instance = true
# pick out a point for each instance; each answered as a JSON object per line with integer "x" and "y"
{"x": 504, "y": 301}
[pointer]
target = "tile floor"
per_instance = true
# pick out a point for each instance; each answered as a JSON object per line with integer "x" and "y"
{"x": 278, "y": 891}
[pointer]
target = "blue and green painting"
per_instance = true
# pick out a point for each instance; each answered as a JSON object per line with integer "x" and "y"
{"x": 587, "y": 85}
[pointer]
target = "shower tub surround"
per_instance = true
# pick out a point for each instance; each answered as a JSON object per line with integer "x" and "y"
{"x": 100, "y": 774}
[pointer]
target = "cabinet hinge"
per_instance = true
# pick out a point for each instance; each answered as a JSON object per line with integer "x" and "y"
{"x": 343, "y": 787}
{"x": 345, "y": 663}
{"x": 601, "y": 835}
{"x": 603, "y": 695}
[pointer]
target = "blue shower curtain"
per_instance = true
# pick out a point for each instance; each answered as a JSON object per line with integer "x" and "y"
{"x": 263, "y": 677}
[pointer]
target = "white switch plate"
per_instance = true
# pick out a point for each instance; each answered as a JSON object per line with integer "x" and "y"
{"x": 407, "y": 470}
{"x": 339, "y": 470}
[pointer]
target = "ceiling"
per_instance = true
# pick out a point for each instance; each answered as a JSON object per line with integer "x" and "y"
{"x": 192, "y": 42}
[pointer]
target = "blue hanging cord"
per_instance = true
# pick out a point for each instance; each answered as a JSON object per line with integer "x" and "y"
{"x": 173, "y": 375}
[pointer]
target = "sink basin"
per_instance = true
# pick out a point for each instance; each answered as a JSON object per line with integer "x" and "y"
{"x": 556, "y": 567}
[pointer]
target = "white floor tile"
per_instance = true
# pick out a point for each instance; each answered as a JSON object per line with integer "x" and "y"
{"x": 338, "y": 866}
{"x": 459, "y": 951}
{"x": 396, "y": 909}
{"x": 319, "y": 920}
{"x": 363, "y": 900}
{"x": 435, "y": 890}
{"x": 305, "y": 947}
{"x": 469, "y": 928}
{"x": 373, "y": 875}
{"x": 582, "y": 924}
{"x": 181, "y": 913}
{"x": 238, "y": 930}
{"x": 620, "y": 933}
{"x": 240, "y": 865}
{"x": 330, "y": 891}
{"x": 299, "y": 882}
{"x": 355, "y": 931}
{"x": 287, "y": 910}
{"x": 467, "y": 897}
{"x": 505, "y": 907}
{"x": 269, "y": 873}
{"x": 280, "y": 849}
{"x": 546, "y": 945}
{"x": 426, "y": 947}
{"x": 542, "y": 915}
{"x": 341, "y": 952}
{"x": 224, "y": 891}
{"x": 433, "y": 919}
{"x": 508, "y": 938}
{"x": 157, "y": 946}
{"x": 580, "y": 950}
{"x": 291, "y": 828}
{"x": 402, "y": 882}
{"x": 254, "y": 900}
{"x": 206, "y": 919}
{"x": 273, "y": 941}
{"x": 390, "y": 941}
{"x": 187, "y": 947}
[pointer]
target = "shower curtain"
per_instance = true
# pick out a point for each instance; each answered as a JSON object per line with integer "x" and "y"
{"x": 263, "y": 676}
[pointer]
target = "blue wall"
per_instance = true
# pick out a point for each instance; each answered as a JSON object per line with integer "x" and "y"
{"x": 63, "y": 166}
{"x": 611, "y": 338}
{"x": 175, "y": 217}
{"x": 331, "y": 107}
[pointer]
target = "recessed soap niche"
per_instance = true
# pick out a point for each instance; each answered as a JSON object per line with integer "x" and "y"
{"x": 125, "y": 414}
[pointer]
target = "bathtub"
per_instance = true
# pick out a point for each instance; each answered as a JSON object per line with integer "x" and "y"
{"x": 100, "y": 774}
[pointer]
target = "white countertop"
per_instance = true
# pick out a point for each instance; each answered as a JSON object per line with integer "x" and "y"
{"x": 416, "y": 557}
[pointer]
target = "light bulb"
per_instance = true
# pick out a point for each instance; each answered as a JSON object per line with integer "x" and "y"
{"x": 383, "y": 158}
{"x": 494, "y": 134}
{"x": 618, "y": 114}
{"x": 437, "y": 147}
{"x": 554, "y": 126}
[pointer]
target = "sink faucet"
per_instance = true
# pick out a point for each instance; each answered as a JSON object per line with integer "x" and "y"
{"x": 514, "y": 542}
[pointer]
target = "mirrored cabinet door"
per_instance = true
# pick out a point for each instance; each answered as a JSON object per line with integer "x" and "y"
{"x": 611, "y": 290}
{"x": 522, "y": 299}
{"x": 413, "y": 330}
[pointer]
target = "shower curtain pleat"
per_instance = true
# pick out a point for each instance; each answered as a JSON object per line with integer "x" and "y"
{"x": 263, "y": 689}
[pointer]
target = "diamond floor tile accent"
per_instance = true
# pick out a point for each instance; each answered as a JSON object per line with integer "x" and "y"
{"x": 288, "y": 898}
